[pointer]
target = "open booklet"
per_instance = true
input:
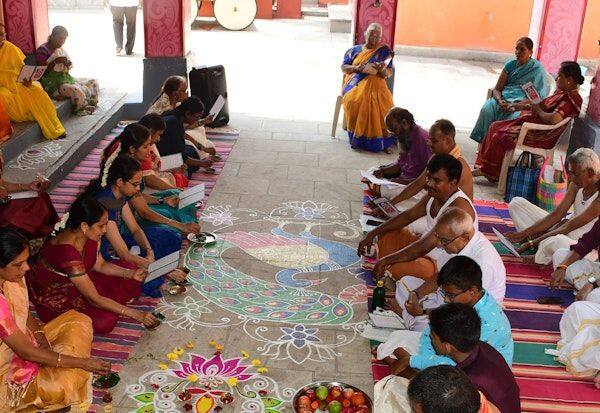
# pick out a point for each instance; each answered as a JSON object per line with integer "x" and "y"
{"x": 191, "y": 196}
{"x": 532, "y": 93}
{"x": 163, "y": 266}
{"x": 31, "y": 73}
{"x": 506, "y": 243}
{"x": 170, "y": 162}
{"x": 368, "y": 174}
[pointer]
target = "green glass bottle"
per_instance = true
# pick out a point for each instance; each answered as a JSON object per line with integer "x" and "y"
{"x": 378, "y": 296}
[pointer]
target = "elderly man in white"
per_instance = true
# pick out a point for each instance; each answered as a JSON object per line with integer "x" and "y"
{"x": 557, "y": 229}
{"x": 456, "y": 235}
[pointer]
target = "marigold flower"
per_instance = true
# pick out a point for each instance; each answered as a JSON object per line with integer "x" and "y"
{"x": 256, "y": 362}
{"x": 172, "y": 356}
{"x": 245, "y": 354}
{"x": 232, "y": 381}
{"x": 178, "y": 350}
{"x": 162, "y": 366}
{"x": 262, "y": 370}
{"x": 193, "y": 378}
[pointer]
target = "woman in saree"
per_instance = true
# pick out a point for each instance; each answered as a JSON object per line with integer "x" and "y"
{"x": 32, "y": 217}
{"x": 366, "y": 96}
{"x": 71, "y": 274}
{"x": 119, "y": 182}
{"x": 502, "y": 136}
{"x": 25, "y": 101}
{"x": 509, "y": 90}
{"x": 57, "y": 81}
{"x": 172, "y": 93}
{"x": 6, "y": 129}
{"x": 43, "y": 367}
{"x": 154, "y": 178}
{"x": 159, "y": 211}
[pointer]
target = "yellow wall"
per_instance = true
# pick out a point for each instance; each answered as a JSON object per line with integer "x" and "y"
{"x": 492, "y": 25}
{"x": 588, "y": 48}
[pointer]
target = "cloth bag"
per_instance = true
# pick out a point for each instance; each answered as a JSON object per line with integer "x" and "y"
{"x": 551, "y": 191}
{"x": 390, "y": 395}
{"x": 522, "y": 179}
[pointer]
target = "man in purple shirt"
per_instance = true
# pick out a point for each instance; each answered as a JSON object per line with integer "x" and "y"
{"x": 414, "y": 148}
{"x": 455, "y": 332}
{"x": 577, "y": 270}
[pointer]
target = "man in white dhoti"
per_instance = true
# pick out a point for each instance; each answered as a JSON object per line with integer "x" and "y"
{"x": 455, "y": 235}
{"x": 579, "y": 348}
{"x": 536, "y": 227}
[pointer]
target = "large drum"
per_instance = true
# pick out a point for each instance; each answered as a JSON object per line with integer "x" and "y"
{"x": 235, "y": 14}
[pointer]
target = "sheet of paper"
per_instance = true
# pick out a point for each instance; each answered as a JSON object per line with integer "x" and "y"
{"x": 216, "y": 108}
{"x": 38, "y": 72}
{"x": 506, "y": 243}
{"x": 163, "y": 266}
{"x": 170, "y": 162}
{"x": 386, "y": 319}
{"x": 191, "y": 196}
{"x": 378, "y": 334}
{"x": 23, "y": 195}
{"x": 363, "y": 222}
{"x": 368, "y": 174}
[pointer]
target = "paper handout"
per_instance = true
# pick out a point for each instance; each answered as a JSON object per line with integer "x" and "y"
{"x": 191, "y": 196}
{"x": 163, "y": 266}
{"x": 506, "y": 243}
{"x": 386, "y": 319}
{"x": 216, "y": 108}
{"x": 170, "y": 162}
{"x": 31, "y": 73}
{"x": 368, "y": 174}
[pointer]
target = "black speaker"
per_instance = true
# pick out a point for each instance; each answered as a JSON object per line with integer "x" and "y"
{"x": 207, "y": 83}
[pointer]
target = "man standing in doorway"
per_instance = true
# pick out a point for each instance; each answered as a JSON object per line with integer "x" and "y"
{"x": 124, "y": 11}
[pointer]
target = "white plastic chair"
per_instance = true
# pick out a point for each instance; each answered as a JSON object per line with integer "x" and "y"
{"x": 546, "y": 153}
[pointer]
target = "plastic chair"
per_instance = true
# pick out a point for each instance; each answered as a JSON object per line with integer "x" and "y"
{"x": 546, "y": 153}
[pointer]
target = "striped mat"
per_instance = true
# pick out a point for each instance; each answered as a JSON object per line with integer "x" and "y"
{"x": 116, "y": 346}
{"x": 545, "y": 385}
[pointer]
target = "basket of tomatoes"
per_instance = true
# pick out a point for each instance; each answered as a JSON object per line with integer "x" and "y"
{"x": 331, "y": 397}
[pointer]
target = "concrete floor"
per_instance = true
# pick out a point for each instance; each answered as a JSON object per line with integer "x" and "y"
{"x": 285, "y": 174}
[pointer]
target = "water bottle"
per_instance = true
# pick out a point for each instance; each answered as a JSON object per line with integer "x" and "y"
{"x": 378, "y": 296}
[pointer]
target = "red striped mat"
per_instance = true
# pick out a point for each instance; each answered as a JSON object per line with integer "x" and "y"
{"x": 117, "y": 346}
{"x": 546, "y": 387}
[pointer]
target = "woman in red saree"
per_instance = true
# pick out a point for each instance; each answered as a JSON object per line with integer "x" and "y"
{"x": 502, "y": 135}
{"x": 71, "y": 274}
{"x": 32, "y": 217}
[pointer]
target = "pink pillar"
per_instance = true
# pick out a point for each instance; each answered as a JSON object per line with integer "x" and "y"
{"x": 556, "y": 29}
{"x": 26, "y": 23}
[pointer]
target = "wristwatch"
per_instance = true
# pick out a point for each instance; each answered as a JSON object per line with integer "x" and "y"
{"x": 593, "y": 281}
{"x": 161, "y": 201}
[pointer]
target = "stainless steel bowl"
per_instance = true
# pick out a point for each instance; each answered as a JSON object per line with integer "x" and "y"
{"x": 328, "y": 384}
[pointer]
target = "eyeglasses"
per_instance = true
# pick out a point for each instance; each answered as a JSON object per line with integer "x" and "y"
{"x": 450, "y": 296}
{"x": 445, "y": 242}
{"x": 136, "y": 184}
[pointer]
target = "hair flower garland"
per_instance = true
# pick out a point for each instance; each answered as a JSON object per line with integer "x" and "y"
{"x": 108, "y": 164}
{"x": 60, "y": 225}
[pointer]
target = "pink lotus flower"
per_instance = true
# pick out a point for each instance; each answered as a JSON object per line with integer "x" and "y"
{"x": 214, "y": 371}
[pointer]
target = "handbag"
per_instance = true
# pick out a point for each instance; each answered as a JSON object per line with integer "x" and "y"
{"x": 551, "y": 191}
{"x": 522, "y": 179}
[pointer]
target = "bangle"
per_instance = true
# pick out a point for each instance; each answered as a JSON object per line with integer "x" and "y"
{"x": 123, "y": 310}
{"x": 530, "y": 243}
{"x": 38, "y": 332}
{"x": 58, "y": 359}
{"x": 562, "y": 267}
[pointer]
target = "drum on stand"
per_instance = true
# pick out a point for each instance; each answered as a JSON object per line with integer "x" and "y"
{"x": 235, "y": 14}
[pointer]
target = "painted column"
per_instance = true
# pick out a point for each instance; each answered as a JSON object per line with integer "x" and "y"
{"x": 556, "y": 28}
{"x": 167, "y": 29}
{"x": 26, "y": 23}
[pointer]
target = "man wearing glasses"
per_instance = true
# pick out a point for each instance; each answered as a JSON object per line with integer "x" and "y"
{"x": 460, "y": 281}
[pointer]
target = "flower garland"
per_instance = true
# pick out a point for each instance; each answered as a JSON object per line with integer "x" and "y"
{"x": 108, "y": 164}
{"x": 62, "y": 224}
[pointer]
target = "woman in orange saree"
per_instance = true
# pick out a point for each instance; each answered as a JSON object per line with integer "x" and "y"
{"x": 42, "y": 367}
{"x": 366, "y": 96}
{"x": 502, "y": 135}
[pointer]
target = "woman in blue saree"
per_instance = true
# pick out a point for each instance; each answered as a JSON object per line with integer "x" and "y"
{"x": 508, "y": 89}
{"x": 366, "y": 96}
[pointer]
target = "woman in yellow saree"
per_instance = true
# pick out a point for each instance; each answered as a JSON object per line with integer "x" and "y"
{"x": 367, "y": 98}
{"x": 42, "y": 367}
{"x": 25, "y": 101}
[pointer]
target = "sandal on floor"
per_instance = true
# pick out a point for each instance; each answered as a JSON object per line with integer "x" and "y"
{"x": 210, "y": 171}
